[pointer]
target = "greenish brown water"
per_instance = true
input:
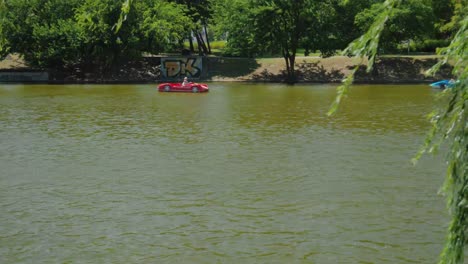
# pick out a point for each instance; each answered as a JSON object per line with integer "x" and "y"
{"x": 244, "y": 174}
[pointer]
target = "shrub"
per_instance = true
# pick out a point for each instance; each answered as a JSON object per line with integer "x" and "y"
{"x": 428, "y": 45}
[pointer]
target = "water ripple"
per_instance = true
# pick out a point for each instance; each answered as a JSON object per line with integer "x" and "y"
{"x": 246, "y": 173}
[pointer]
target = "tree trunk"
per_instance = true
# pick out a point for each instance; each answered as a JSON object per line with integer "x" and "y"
{"x": 292, "y": 70}
{"x": 201, "y": 43}
{"x": 207, "y": 40}
{"x": 287, "y": 66}
{"x": 191, "y": 43}
{"x": 290, "y": 60}
{"x": 200, "y": 52}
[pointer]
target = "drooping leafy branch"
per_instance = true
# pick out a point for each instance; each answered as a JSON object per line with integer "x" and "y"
{"x": 364, "y": 48}
{"x": 125, "y": 10}
{"x": 449, "y": 124}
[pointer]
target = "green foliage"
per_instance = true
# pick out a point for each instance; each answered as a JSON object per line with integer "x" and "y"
{"x": 234, "y": 19}
{"x": 215, "y": 45}
{"x": 55, "y": 44}
{"x": 450, "y": 14}
{"x": 281, "y": 26}
{"x": 44, "y": 32}
{"x": 96, "y": 34}
{"x": 4, "y": 44}
{"x": 163, "y": 26}
{"x": 200, "y": 13}
{"x": 449, "y": 124}
{"x": 365, "y": 47}
{"x": 97, "y": 20}
{"x": 337, "y": 27}
{"x": 427, "y": 45}
{"x": 412, "y": 19}
{"x": 221, "y": 44}
{"x": 443, "y": 11}
{"x": 125, "y": 10}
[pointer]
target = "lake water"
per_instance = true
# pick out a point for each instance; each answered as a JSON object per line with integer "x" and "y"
{"x": 247, "y": 173}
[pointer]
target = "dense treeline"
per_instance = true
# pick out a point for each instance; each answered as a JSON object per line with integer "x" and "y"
{"x": 98, "y": 34}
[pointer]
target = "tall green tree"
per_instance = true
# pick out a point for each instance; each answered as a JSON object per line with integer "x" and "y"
{"x": 200, "y": 12}
{"x": 43, "y": 31}
{"x": 282, "y": 24}
{"x": 443, "y": 12}
{"x": 163, "y": 25}
{"x": 412, "y": 19}
{"x": 460, "y": 9}
{"x": 4, "y": 45}
{"x": 102, "y": 44}
{"x": 339, "y": 28}
{"x": 234, "y": 22}
{"x": 93, "y": 34}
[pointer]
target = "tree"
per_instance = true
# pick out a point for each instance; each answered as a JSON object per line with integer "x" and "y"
{"x": 460, "y": 9}
{"x": 43, "y": 31}
{"x": 413, "y": 19}
{"x": 449, "y": 123}
{"x": 322, "y": 32}
{"x": 337, "y": 28}
{"x": 163, "y": 27}
{"x": 200, "y": 12}
{"x": 443, "y": 11}
{"x": 282, "y": 24}
{"x": 4, "y": 45}
{"x": 102, "y": 46}
{"x": 95, "y": 35}
{"x": 262, "y": 27}
{"x": 234, "y": 21}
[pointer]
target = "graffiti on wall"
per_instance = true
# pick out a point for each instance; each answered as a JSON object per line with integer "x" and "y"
{"x": 176, "y": 67}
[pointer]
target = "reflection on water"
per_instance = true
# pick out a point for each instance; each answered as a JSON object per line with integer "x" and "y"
{"x": 253, "y": 173}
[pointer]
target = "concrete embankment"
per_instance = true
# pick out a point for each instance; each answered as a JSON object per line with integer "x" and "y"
{"x": 24, "y": 76}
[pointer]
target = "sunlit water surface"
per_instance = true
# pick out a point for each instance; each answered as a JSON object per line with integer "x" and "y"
{"x": 247, "y": 173}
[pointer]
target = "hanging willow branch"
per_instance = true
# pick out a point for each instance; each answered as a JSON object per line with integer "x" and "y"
{"x": 449, "y": 124}
{"x": 364, "y": 47}
{"x": 125, "y": 10}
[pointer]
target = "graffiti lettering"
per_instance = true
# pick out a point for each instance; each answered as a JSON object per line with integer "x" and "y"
{"x": 176, "y": 67}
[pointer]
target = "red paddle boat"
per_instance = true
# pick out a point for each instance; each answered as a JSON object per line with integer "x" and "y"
{"x": 188, "y": 87}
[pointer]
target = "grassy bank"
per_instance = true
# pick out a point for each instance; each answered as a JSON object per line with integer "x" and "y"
{"x": 388, "y": 69}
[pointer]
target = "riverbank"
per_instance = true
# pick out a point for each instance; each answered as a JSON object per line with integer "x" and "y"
{"x": 388, "y": 69}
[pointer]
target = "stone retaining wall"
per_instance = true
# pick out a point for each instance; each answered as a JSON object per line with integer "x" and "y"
{"x": 24, "y": 77}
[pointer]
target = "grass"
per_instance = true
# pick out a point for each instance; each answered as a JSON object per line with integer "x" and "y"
{"x": 215, "y": 45}
{"x": 12, "y": 61}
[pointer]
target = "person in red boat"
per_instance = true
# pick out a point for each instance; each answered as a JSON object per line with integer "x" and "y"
{"x": 185, "y": 82}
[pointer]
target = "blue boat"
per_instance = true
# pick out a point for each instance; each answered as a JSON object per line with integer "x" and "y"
{"x": 443, "y": 84}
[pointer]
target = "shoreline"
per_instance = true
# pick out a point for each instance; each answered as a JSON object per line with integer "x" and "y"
{"x": 310, "y": 70}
